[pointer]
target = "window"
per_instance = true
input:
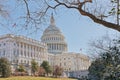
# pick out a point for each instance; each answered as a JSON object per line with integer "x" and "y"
{"x": 21, "y": 53}
{"x": 18, "y": 44}
{"x": 4, "y": 44}
{"x": 60, "y": 64}
{"x": 25, "y": 53}
{"x": 14, "y": 44}
{"x": 69, "y": 68}
{"x": 21, "y": 61}
{"x": 21, "y": 45}
{"x": 24, "y": 61}
{"x": 13, "y": 61}
{"x": 28, "y": 62}
{"x": 4, "y": 53}
{"x": 14, "y": 52}
{"x": 28, "y": 47}
{"x": 34, "y": 48}
{"x": 34, "y": 55}
{"x": 28, "y": 54}
{"x": 31, "y": 54}
{"x": 24, "y": 46}
{"x": 17, "y": 52}
{"x": 64, "y": 64}
{"x": 17, "y": 61}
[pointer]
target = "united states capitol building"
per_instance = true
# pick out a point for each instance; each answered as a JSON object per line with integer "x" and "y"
{"x": 52, "y": 48}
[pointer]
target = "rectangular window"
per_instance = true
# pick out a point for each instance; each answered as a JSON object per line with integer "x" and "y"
{"x": 18, "y": 44}
{"x": 14, "y": 44}
{"x": 24, "y": 46}
{"x": 69, "y": 68}
{"x": 14, "y": 52}
{"x": 31, "y": 54}
{"x": 21, "y": 45}
{"x": 60, "y": 64}
{"x": 4, "y": 53}
{"x": 64, "y": 64}
{"x": 18, "y": 52}
{"x": 4, "y": 44}
{"x": 21, "y": 53}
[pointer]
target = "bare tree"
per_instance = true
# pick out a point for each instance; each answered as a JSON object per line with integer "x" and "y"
{"x": 97, "y": 13}
{"x": 101, "y": 45}
{"x": 35, "y": 11}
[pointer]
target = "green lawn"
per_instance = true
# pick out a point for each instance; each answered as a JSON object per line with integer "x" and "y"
{"x": 33, "y": 78}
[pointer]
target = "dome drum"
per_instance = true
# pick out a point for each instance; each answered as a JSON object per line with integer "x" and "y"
{"x": 52, "y": 38}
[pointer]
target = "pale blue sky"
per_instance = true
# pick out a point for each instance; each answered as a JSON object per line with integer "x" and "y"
{"x": 80, "y": 30}
{"x": 77, "y": 29}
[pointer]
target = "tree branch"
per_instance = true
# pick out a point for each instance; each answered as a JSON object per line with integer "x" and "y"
{"x": 28, "y": 12}
{"x": 77, "y": 4}
{"x": 95, "y": 19}
{"x": 60, "y": 3}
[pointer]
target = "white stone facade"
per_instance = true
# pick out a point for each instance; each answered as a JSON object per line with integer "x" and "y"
{"x": 21, "y": 50}
{"x": 59, "y": 55}
{"x": 52, "y": 48}
{"x": 72, "y": 61}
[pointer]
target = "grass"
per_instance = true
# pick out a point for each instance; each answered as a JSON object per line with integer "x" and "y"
{"x": 33, "y": 78}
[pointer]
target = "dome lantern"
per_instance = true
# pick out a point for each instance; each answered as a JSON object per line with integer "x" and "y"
{"x": 52, "y": 20}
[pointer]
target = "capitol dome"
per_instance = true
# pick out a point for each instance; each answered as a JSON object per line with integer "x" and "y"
{"x": 52, "y": 29}
{"x": 54, "y": 38}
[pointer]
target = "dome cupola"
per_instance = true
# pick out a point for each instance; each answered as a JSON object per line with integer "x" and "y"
{"x": 52, "y": 29}
{"x": 54, "y": 38}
